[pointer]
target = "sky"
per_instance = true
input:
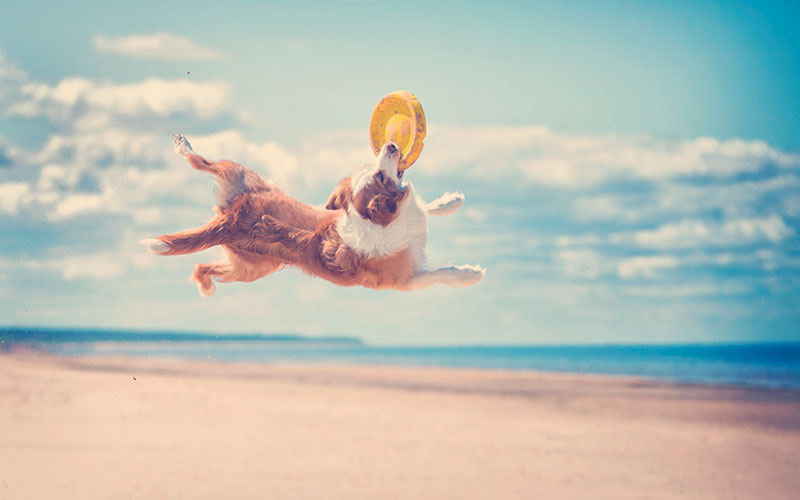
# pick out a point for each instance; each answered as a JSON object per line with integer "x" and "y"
{"x": 631, "y": 169}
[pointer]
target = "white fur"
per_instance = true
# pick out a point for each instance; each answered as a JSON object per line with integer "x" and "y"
{"x": 408, "y": 230}
{"x": 207, "y": 292}
{"x": 182, "y": 146}
{"x": 155, "y": 246}
{"x": 453, "y": 276}
{"x": 446, "y": 204}
{"x": 384, "y": 162}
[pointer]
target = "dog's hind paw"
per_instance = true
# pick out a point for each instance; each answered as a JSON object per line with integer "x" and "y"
{"x": 207, "y": 289}
{"x": 182, "y": 146}
{"x": 156, "y": 246}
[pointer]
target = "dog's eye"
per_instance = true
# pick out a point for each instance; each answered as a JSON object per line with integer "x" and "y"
{"x": 379, "y": 175}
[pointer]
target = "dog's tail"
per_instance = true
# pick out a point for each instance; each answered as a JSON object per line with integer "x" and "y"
{"x": 183, "y": 148}
{"x": 191, "y": 240}
{"x": 234, "y": 179}
{"x": 219, "y": 169}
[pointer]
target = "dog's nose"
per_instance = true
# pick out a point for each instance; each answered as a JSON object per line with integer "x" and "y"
{"x": 391, "y": 148}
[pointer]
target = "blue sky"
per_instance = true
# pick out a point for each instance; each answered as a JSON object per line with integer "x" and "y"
{"x": 631, "y": 170}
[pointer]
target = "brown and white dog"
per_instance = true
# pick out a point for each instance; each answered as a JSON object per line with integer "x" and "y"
{"x": 372, "y": 231}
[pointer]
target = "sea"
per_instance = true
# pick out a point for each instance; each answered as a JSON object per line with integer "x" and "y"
{"x": 769, "y": 365}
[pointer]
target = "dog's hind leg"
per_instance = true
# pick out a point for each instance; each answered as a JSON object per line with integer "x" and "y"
{"x": 234, "y": 179}
{"x": 203, "y": 274}
{"x": 191, "y": 240}
{"x": 183, "y": 148}
{"x": 231, "y": 268}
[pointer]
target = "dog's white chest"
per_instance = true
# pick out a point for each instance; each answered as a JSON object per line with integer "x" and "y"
{"x": 408, "y": 230}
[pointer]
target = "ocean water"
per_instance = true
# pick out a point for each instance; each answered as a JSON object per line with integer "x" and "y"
{"x": 760, "y": 365}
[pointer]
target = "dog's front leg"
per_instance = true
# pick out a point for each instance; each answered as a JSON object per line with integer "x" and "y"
{"x": 453, "y": 276}
{"x": 446, "y": 204}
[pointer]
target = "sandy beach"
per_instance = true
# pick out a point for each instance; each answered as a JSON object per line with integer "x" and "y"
{"x": 122, "y": 428}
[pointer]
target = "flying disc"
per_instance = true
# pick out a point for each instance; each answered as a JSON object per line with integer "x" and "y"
{"x": 398, "y": 118}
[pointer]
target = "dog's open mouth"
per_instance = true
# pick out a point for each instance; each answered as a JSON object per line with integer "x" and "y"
{"x": 400, "y": 185}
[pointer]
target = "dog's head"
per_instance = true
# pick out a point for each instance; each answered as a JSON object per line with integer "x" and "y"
{"x": 375, "y": 192}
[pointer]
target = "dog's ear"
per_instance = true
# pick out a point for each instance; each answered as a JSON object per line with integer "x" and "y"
{"x": 341, "y": 196}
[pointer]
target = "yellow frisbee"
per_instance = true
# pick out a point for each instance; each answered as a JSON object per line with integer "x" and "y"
{"x": 398, "y": 118}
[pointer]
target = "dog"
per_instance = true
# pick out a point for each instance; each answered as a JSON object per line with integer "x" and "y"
{"x": 372, "y": 232}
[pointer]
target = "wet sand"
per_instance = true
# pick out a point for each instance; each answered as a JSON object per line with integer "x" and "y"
{"x": 134, "y": 428}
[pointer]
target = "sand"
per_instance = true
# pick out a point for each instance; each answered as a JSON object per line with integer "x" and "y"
{"x": 133, "y": 428}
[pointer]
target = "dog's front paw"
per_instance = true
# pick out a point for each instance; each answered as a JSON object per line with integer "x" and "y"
{"x": 447, "y": 204}
{"x": 469, "y": 275}
{"x": 457, "y": 197}
{"x": 156, "y": 246}
{"x": 182, "y": 146}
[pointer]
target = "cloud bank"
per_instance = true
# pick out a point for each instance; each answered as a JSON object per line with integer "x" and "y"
{"x": 75, "y": 99}
{"x": 156, "y": 46}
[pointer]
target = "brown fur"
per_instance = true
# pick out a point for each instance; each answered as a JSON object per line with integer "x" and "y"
{"x": 263, "y": 230}
{"x": 341, "y": 196}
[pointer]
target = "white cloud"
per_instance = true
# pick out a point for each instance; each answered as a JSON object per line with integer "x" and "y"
{"x": 492, "y": 239}
{"x": 540, "y": 155}
{"x": 100, "y": 161}
{"x": 129, "y": 173}
{"x": 11, "y": 80}
{"x": 99, "y": 266}
{"x": 309, "y": 292}
{"x": 578, "y": 240}
{"x": 108, "y": 146}
{"x": 604, "y": 207}
{"x": 476, "y": 214}
{"x": 77, "y": 204}
{"x": 14, "y": 195}
{"x": 735, "y": 199}
{"x": 645, "y": 267}
{"x": 328, "y": 157}
{"x": 688, "y": 290}
{"x": 155, "y": 46}
{"x": 106, "y": 263}
{"x": 77, "y": 98}
{"x": 269, "y": 159}
{"x": 582, "y": 263}
{"x": 9, "y": 72}
{"x": 696, "y": 233}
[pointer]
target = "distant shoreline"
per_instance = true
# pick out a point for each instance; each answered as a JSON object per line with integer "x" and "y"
{"x": 765, "y": 365}
{"x": 409, "y": 377}
{"x": 14, "y": 334}
{"x": 774, "y": 366}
